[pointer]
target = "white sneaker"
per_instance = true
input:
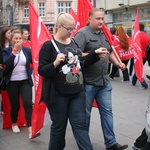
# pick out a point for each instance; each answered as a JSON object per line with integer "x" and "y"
{"x": 111, "y": 78}
{"x": 124, "y": 81}
{"x": 15, "y": 129}
{"x": 130, "y": 78}
{"x": 142, "y": 88}
{"x": 136, "y": 148}
{"x": 36, "y": 135}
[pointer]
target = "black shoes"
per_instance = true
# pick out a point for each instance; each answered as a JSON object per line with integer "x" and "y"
{"x": 148, "y": 77}
{"x": 117, "y": 147}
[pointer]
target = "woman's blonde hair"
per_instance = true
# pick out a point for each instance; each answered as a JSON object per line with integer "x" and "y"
{"x": 15, "y": 32}
{"x": 62, "y": 19}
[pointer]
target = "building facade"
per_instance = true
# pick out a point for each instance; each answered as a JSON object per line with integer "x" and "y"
{"x": 117, "y": 12}
{"x": 16, "y": 12}
{"x": 122, "y": 13}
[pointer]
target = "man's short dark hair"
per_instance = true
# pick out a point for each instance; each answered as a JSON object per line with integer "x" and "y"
{"x": 113, "y": 30}
{"x": 141, "y": 27}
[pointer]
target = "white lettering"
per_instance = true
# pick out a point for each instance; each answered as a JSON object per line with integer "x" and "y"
{"x": 36, "y": 82}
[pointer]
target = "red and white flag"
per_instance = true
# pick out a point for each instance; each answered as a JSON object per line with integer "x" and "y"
{"x": 123, "y": 54}
{"x": 109, "y": 38}
{"x": 138, "y": 63}
{"x": 39, "y": 34}
{"x": 77, "y": 23}
{"x": 84, "y": 7}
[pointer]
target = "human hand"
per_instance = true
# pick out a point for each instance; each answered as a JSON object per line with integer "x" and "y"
{"x": 17, "y": 47}
{"x": 122, "y": 66}
{"x": 60, "y": 57}
{"x": 102, "y": 52}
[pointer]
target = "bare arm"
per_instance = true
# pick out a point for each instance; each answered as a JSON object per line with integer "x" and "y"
{"x": 114, "y": 60}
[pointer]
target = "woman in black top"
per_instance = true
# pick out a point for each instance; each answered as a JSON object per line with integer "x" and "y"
{"x": 63, "y": 86}
{"x": 4, "y": 43}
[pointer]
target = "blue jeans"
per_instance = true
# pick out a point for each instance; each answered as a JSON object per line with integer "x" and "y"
{"x": 102, "y": 94}
{"x": 72, "y": 107}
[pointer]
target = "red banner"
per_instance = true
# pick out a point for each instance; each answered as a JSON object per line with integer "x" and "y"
{"x": 124, "y": 55}
{"x": 39, "y": 34}
{"x": 84, "y": 7}
{"x": 77, "y": 23}
{"x": 138, "y": 63}
{"x": 107, "y": 34}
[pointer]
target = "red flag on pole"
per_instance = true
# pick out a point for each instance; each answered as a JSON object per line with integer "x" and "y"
{"x": 138, "y": 63}
{"x": 109, "y": 38}
{"x": 84, "y": 7}
{"x": 77, "y": 23}
{"x": 123, "y": 55}
{"x": 107, "y": 34}
{"x": 39, "y": 34}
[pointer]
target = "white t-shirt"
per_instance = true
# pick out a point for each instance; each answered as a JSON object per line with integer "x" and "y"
{"x": 19, "y": 72}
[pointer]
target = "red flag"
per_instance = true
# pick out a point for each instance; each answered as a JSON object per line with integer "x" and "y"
{"x": 109, "y": 38}
{"x": 107, "y": 34}
{"x": 7, "y": 123}
{"x": 77, "y": 23}
{"x": 39, "y": 34}
{"x": 95, "y": 104}
{"x": 138, "y": 63}
{"x": 84, "y": 7}
{"x": 124, "y": 55}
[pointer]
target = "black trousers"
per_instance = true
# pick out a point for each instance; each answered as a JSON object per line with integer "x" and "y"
{"x": 141, "y": 140}
{"x": 147, "y": 146}
{"x": 144, "y": 61}
{"x": 15, "y": 89}
{"x": 131, "y": 66}
{"x": 125, "y": 72}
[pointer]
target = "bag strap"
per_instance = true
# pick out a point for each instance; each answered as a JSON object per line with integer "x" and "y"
{"x": 13, "y": 67}
{"x": 17, "y": 62}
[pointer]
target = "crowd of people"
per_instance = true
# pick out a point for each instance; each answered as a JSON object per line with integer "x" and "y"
{"x": 72, "y": 78}
{"x": 16, "y": 60}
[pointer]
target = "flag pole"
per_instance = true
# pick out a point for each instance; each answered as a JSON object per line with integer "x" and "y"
{"x": 54, "y": 44}
{"x": 118, "y": 58}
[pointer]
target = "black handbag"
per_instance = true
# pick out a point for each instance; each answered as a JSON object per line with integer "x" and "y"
{"x": 2, "y": 76}
{"x": 1, "y": 73}
{"x": 2, "y": 80}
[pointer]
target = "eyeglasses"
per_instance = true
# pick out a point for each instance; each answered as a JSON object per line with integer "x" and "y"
{"x": 69, "y": 29}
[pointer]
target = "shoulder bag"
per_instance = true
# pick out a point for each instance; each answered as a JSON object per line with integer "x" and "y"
{"x": 2, "y": 80}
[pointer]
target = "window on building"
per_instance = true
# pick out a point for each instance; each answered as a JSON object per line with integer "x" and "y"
{"x": 64, "y": 7}
{"x": 42, "y": 9}
{"x": 26, "y": 11}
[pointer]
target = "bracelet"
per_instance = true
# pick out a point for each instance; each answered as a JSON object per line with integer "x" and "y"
{"x": 15, "y": 50}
